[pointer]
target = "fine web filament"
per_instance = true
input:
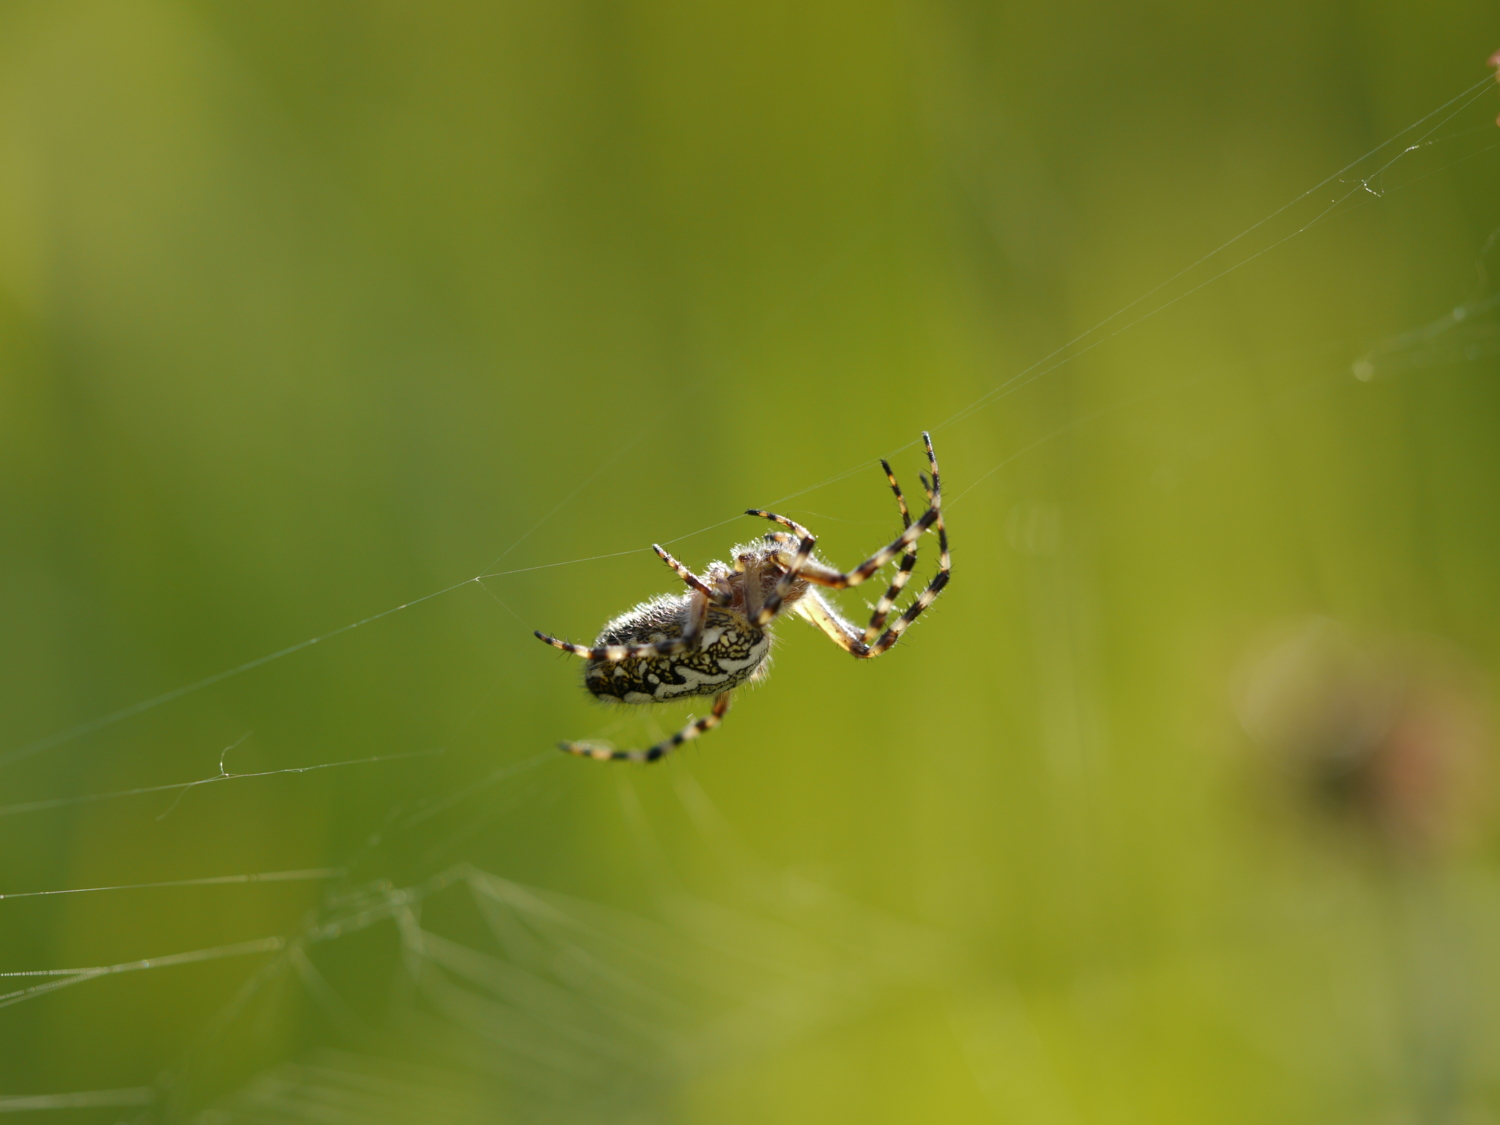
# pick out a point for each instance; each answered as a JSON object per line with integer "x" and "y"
{"x": 1064, "y": 354}
{"x": 366, "y": 909}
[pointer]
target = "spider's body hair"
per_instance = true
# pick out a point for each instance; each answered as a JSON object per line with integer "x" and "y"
{"x": 731, "y": 652}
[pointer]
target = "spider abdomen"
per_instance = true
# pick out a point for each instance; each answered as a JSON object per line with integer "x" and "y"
{"x": 729, "y": 652}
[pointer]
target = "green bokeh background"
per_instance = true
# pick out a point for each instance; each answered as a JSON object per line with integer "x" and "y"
{"x": 308, "y": 310}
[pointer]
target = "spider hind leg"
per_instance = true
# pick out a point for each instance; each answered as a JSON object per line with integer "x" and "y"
{"x": 603, "y": 752}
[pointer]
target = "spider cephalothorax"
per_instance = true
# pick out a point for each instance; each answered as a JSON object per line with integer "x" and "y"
{"x": 717, "y": 636}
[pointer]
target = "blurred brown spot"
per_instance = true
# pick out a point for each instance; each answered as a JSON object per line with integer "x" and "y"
{"x": 1386, "y": 734}
{"x": 1494, "y": 61}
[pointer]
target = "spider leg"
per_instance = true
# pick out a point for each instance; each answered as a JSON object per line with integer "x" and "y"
{"x": 614, "y": 653}
{"x": 697, "y": 615}
{"x": 839, "y": 580}
{"x": 934, "y": 587}
{"x": 903, "y": 574}
{"x": 807, "y": 541}
{"x": 822, "y": 614}
{"x": 719, "y": 597}
{"x": 603, "y": 752}
{"x": 816, "y": 609}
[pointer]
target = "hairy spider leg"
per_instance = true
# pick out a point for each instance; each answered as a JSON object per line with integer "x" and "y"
{"x": 602, "y": 752}
{"x": 908, "y": 562}
{"x": 697, "y": 616}
{"x": 824, "y": 575}
{"x": 817, "y": 609}
{"x": 934, "y": 587}
{"x": 702, "y": 595}
{"x": 718, "y": 597}
{"x": 897, "y": 582}
{"x": 903, "y": 574}
{"x": 808, "y": 541}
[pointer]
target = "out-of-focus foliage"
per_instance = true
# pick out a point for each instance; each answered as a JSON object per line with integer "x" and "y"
{"x": 1174, "y": 809}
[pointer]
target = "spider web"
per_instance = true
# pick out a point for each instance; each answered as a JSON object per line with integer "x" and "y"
{"x": 496, "y": 992}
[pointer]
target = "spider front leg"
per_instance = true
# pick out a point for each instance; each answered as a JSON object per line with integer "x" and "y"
{"x": 718, "y": 597}
{"x": 603, "y": 752}
{"x": 817, "y": 610}
{"x": 806, "y": 543}
{"x": 840, "y": 580}
{"x": 908, "y": 562}
{"x": 934, "y": 587}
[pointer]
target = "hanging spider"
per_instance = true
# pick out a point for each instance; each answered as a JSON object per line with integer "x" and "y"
{"x": 717, "y": 636}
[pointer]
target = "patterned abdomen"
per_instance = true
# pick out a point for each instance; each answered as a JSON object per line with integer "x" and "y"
{"x": 729, "y": 652}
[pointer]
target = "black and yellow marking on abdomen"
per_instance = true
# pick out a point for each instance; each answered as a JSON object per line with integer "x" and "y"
{"x": 734, "y": 651}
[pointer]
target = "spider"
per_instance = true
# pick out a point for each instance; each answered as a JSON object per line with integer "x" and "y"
{"x": 717, "y": 636}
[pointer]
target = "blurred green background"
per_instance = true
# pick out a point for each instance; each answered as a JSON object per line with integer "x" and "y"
{"x": 1175, "y": 806}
